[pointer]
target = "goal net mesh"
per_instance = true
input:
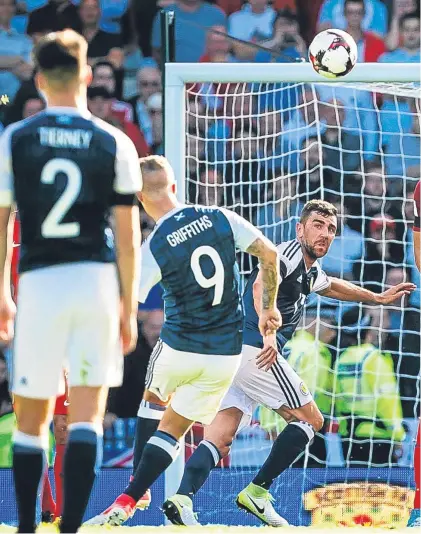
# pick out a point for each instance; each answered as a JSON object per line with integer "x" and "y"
{"x": 263, "y": 150}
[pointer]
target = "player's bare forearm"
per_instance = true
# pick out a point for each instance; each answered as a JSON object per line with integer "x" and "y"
{"x": 417, "y": 248}
{"x": 128, "y": 241}
{"x": 269, "y": 270}
{"x": 7, "y": 219}
{"x": 347, "y": 291}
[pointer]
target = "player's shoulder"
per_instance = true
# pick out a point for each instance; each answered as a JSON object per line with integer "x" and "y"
{"x": 21, "y": 126}
{"x": 290, "y": 252}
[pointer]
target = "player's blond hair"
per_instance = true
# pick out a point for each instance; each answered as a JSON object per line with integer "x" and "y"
{"x": 60, "y": 57}
{"x": 157, "y": 175}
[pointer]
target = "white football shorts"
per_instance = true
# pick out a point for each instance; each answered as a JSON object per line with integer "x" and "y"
{"x": 68, "y": 316}
{"x": 280, "y": 386}
{"x": 196, "y": 383}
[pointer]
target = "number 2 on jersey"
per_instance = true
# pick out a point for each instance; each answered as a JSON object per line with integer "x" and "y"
{"x": 53, "y": 227}
{"x": 217, "y": 280}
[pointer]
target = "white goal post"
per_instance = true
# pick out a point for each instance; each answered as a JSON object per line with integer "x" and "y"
{"x": 255, "y": 169}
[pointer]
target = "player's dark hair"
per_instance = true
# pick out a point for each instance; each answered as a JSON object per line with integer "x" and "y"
{"x": 409, "y": 16}
{"x": 318, "y": 206}
{"x": 58, "y": 55}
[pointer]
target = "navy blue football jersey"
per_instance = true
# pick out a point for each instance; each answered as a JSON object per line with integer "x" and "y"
{"x": 66, "y": 169}
{"x": 296, "y": 283}
{"x": 192, "y": 253}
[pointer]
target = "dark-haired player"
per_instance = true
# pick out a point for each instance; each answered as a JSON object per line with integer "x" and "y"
{"x": 68, "y": 173}
{"x": 281, "y": 389}
{"x": 415, "y": 519}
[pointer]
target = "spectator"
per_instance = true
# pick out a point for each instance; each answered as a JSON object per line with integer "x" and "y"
{"x": 382, "y": 251}
{"x": 370, "y": 46}
{"x": 104, "y": 75}
{"x": 231, "y": 6}
{"x": 15, "y": 53}
{"x": 279, "y": 214}
{"x": 409, "y": 52}
{"x": 115, "y": 18}
{"x": 32, "y": 106}
{"x": 217, "y": 46}
{"x": 400, "y": 8}
{"x": 332, "y": 15}
{"x": 301, "y": 125}
{"x": 341, "y": 147}
{"x": 403, "y": 342}
{"x": 402, "y": 154}
{"x": 154, "y": 108}
{"x": 345, "y": 251}
{"x": 374, "y": 195}
{"x": 367, "y": 401}
{"x": 210, "y": 191}
{"x": 286, "y": 43}
{"x": 148, "y": 83}
{"x": 102, "y": 46}
{"x": 309, "y": 181}
{"x": 100, "y": 102}
{"x": 192, "y": 19}
{"x": 124, "y": 401}
{"x": 253, "y": 23}
{"x": 55, "y": 16}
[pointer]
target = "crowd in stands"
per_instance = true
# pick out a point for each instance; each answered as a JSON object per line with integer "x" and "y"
{"x": 261, "y": 149}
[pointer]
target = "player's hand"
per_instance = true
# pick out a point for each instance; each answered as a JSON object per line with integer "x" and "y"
{"x": 269, "y": 321}
{"x": 395, "y": 293}
{"x": 268, "y": 355}
{"x": 7, "y": 317}
{"x": 128, "y": 332}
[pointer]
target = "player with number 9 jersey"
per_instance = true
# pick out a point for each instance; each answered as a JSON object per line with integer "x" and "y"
{"x": 192, "y": 253}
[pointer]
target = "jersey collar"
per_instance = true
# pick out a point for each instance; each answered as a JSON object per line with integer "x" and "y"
{"x": 66, "y": 110}
{"x": 170, "y": 214}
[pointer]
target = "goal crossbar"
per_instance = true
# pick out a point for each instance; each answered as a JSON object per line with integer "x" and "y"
{"x": 177, "y": 75}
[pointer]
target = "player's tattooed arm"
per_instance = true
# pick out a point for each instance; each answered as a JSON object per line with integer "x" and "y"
{"x": 269, "y": 317}
{"x": 346, "y": 291}
{"x": 269, "y": 270}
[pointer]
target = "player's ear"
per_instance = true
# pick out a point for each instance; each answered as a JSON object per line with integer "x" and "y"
{"x": 140, "y": 196}
{"x": 87, "y": 75}
{"x": 174, "y": 188}
{"x": 299, "y": 229}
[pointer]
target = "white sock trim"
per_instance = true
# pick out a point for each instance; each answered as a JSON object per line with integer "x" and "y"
{"x": 146, "y": 412}
{"x": 172, "y": 450}
{"x": 305, "y": 427}
{"x": 214, "y": 451}
{"x": 33, "y": 442}
{"x": 93, "y": 427}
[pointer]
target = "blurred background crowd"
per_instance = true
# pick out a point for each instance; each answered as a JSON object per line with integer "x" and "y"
{"x": 263, "y": 150}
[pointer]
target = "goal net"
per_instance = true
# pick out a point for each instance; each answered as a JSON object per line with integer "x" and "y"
{"x": 264, "y": 148}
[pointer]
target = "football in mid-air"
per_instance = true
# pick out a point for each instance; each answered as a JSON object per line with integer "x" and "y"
{"x": 333, "y": 53}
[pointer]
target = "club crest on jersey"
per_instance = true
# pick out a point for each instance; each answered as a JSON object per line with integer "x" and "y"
{"x": 304, "y": 389}
{"x": 179, "y": 216}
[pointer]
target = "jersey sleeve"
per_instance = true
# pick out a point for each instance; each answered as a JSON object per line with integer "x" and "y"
{"x": 244, "y": 232}
{"x": 322, "y": 281}
{"x": 6, "y": 174}
{"x": 128, "y": 177}
{"x": 150, "y": 273}
{"x": 417, "y": 207}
